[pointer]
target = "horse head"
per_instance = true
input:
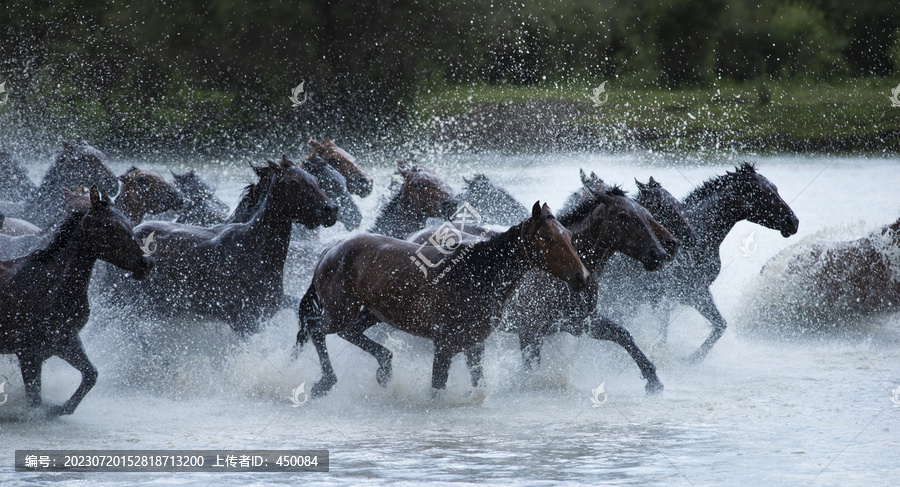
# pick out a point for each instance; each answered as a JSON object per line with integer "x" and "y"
{"x": 334, "y": 185}
{"x": 545, "y": 241}
{"x": 147, "y": 192}
{"x": 425, "y": 192}
{"x": 666, "y": 209}
{"x": 620, "y": 223}
{"x": 109, "y": 236}
{"x": 358, "y": 182}
{"x": 298, "y": 194}
{"x": 758, "y": 198}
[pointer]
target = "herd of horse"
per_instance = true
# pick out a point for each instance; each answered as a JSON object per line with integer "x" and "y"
{"x": 526, "y": 272}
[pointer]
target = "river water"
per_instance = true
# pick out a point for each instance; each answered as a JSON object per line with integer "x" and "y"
{"x": 761, "y": 410}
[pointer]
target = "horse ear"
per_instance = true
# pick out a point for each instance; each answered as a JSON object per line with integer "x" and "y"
{"x": 95, "y": 196}
{"x": 536, "y": 210}
{"x": 584, "y": 178}
{"x": 546, "y": 211}
{"x": 402, "y": 168}
{"x": 641, "y": 186}
{"x": 272, "y": 164}
{"x": 285, "y": 162}
{"x": 315, "y": 143}
{"x": 652, "y": 182}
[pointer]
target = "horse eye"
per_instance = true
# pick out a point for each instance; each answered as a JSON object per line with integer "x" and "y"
{"x": 547, "y": 238}
{"x": 622, "y": 217}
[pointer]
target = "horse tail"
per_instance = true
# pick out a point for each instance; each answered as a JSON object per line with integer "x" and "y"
{"x": 310, "y": 315}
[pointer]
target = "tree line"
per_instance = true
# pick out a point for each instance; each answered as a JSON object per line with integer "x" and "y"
{"x": 200, "y": 73}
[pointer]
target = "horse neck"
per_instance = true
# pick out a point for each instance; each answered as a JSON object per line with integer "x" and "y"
{"x": 130, "y": 206}
{"x": 712, "y": 218}
{"x": 594, "y": 254}
{"x": 72, "y": 263}
{"x": 269, "y": 230}
{"x": 500, "y": 261}
{"x": 399, "y": 218}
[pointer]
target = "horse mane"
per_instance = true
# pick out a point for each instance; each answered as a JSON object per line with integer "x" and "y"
{"x": 61, "y": 237}
{"x": 569, "y": 216}
{"x": 251, "y": 197}
{"x": 478, "y": 255}
{"x": 715, "y": 183}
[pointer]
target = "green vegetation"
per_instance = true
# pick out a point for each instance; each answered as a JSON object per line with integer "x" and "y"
{"x": 760, "y": 116}
{"x": 214, "y": 76}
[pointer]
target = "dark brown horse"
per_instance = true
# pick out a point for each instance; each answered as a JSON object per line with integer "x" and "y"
{"x": 712, "y": 210}
{"x": 146, "y": 193}
{"x": 44, "y": 296}
{"x": 605, "y": 221}
{"x": 358, "y": 182}
{"x": 231, "y": 272}
{"x": 421, "y": 196}
{"x": 370, "y": 278}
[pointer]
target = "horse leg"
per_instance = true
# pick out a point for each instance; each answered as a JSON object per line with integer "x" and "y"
{"x": 74, "y": 354}
{"x": 475, "y": 361}
{"x": 440, "y": 369}
{"x": 31, "y": 376}
{"x": 601, "y": 328}
{"x": 707, "y": 307}
{"x": 355, "y": 335}
{"x": 328, "y": 379}
{"x": 310, "y": 314}
{"x": 530, "y": 344}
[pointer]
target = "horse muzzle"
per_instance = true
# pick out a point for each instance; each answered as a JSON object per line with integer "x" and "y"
{"x": 654, "y": 259}
{"x": 144, "y": 267}
{"x": 671, "y": 246}
{"x": 359, "y": 185}
{"x": 790, "y": 227}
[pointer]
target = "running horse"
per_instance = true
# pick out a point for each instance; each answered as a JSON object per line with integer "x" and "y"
{"x": 422, "y": 195}
{"x": 231, "y": 272}
{"x": 369, "y": 278}
{"x": 44, "y": 295}
{"x": 358, "y": 182}
{"x": 712, "y": 210}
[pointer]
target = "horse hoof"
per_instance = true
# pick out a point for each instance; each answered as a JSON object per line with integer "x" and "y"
{"x": 57, "y": 411}
{"x": 654, "y": 387}
{"x": 383, "y": 375}
{"x": 321, "y": 388}
{"x": 695, "y": 358}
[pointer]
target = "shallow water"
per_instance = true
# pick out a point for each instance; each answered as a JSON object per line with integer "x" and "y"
{"x": 759, "y": 411}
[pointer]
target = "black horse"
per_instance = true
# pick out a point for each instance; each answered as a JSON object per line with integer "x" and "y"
{"x": 202, "y": 207}
{"x": 495, "y": 205}
{"x": 712, "y": 209}
{"x": 44, "y": 295}
{"x": 234, "y": 272}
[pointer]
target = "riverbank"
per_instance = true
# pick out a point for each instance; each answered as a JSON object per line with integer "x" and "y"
{"x": 759, "y": 117}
